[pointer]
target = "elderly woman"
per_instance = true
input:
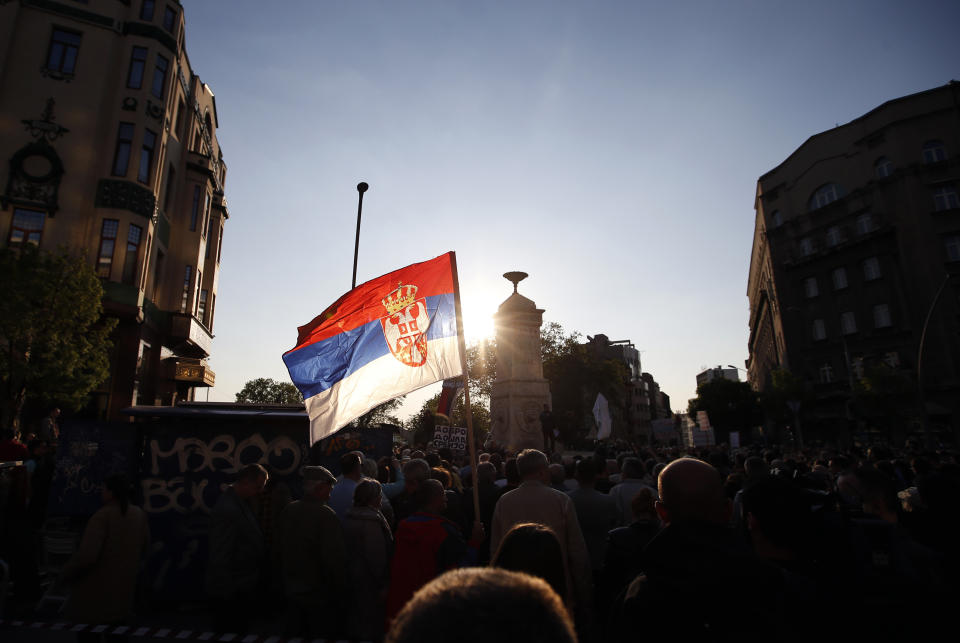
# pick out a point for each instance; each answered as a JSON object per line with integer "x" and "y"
{"x": 369, "y": 548}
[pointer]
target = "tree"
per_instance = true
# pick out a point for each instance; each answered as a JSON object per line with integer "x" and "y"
{"x": 576, "y": 376}
{"x": 380, "y": 414}
{"x": 265, "y": 390}
{"x": 55, "y": 340}
{"x": 731, "y": 406}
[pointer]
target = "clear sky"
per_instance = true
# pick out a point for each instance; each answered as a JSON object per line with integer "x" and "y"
{"x": 609, "y": 149}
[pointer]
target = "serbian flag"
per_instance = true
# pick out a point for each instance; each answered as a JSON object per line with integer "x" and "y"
{"x": 385, "y": 338}
{"x": 448, "y": 395}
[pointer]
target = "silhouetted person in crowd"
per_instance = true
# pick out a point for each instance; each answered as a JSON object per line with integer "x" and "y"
{"x": 415, "y": 472}
{"x": 533, "y": 549}
{"x": 369, "y": 549}
{"x": 548, "y": 426}
{"x": 700, "y": 582}
{"x": 314, "y": 560}
{"x": 102, "y": 574}
{"x": 427, "y": 544}
{"x": 488, "y": 493}
{"x": 535, "y": 501}
{"x": 596, "y": 513}
{"x": 237, "y": 551}
{"x": 341, "y": 497}
{"x": 625, "y": 545}
{"x": 483, "y": 605}
{"x": 50, "y": 427}
{"x": 631, "y": 481}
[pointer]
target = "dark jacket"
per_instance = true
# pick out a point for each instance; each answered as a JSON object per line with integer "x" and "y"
{"x": 313, "y": 553}
{"x": 701, "y": 583}
{"x": 236, "y": 548}
{"x": 624, "y": 559}
{"x": 369, "y": 549}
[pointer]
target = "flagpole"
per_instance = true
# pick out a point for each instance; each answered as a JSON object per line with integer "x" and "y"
{"x": 361, "y": 188}
{"x": 466, "y": 386}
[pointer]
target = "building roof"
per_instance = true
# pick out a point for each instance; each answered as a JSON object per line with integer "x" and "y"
{"x": 859, "y": 119}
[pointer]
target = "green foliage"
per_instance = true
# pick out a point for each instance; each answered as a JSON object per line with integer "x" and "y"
{"x": 54, "y": 342}
{"x": 731, "y": 406}
{"x": 265, "y": 390}
{"x": 381, "y": 414}
{"x": 576, "y": 377}
{"x": 785, "y": 387}
{"x": 422, "y": 424}
{"x": 885, "y": 397}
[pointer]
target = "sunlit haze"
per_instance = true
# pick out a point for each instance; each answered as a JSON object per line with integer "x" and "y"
{"x": 609, "y": 149}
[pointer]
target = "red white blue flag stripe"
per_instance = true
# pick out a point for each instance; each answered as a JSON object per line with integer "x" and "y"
{"x": 385, "y": 338}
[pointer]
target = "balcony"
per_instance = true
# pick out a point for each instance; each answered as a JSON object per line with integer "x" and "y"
{"x": 194, "y": 371}
{"x": 187, "y": 328}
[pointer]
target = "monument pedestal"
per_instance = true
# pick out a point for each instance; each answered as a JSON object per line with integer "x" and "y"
{"x": 519, "y": 393}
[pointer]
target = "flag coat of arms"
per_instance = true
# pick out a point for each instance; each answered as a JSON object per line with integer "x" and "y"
{"x": 385, "y": 338}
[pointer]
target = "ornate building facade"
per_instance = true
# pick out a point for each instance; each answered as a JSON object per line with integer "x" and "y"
{"x": 856, "y": 252}
{"x": 110, "y": 149}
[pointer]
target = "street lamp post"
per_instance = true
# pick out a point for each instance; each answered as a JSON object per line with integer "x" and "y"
{"x": 924, "y": 416}
{"x": 361, "y": 188}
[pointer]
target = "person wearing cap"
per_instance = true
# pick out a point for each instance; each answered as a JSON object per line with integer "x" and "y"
{"x": 237, "y": 551}
{"x": 313, "y": 556}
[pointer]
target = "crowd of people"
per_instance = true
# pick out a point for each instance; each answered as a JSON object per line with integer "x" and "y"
{"x": 617, "y": 545}
{"x": 629, "y": 542}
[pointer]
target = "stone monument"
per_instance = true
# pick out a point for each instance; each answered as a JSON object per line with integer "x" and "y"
{"x": 519, "y": 392}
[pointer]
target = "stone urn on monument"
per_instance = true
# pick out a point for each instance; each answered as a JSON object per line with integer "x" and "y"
{"x": 519, "y": 393}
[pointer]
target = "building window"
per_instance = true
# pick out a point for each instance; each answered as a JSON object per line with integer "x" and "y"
{"x": 138, "y": 62}
{"x": 220, "y": 243}
{"x": 108, "y": 240}
{"x": 945, "y": 198}
{"x": 810, "y": 287}
{"x": 202, "y": 308}
{"x": 213, "y": 306}
{"x": 27, "y": 227}
{"x": 131, "y": 259}
{"x": 64, "y": 46}
{"x": 146, "y": 156}
{"x": 806, "y": 247}
{"x": 819, "y": 330}
{"x": 865, "y": 224}
{"x": 892, "y": 359}
{"x": 776, "y": 219}
{"x": 952, "y": 245}
{"x": 185, "y": 294}
{"x": 146, "y": 10}
{"x": 826, "y": 374}
{"x": 833, "y": 236}
{"x": 160, "y": 76}
{"x": 169, "y": 19}
{"x": 824, "y": 195}
{"x": 871, "y": 269}
{"x": 848, "y": 323}
{"x": 839, "y": 277}
{"x": 196, "y": 298}
{"x": 195, "y": 208}
{"x": 856, "y": 365}
{"x": 121, "y": 156}
{"x": 881, "y": 316}
{"x": 934, "y": 152}
{"x": 883, "y": 167}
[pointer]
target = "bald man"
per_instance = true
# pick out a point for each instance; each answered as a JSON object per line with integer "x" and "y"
{"x": 700, "y": 580}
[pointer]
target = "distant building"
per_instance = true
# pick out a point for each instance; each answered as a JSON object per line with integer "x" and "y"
{"x": 717, "y": 373}
{"x": 856, "y": 233}
{"x": 645, "y": 401}
{"x": 109, "y": 147}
